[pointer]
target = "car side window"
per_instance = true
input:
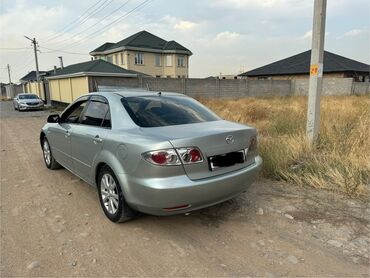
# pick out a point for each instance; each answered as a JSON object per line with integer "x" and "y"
{"x": 72, "y": 115}
{"x": 95, "y": 113}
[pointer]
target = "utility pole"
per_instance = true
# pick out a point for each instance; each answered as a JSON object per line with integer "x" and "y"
{"x": 10, "y": 79}
{"x": 34, "y": 42}
{"x": 11, "y": 87}
{"x": 316, "y": 70}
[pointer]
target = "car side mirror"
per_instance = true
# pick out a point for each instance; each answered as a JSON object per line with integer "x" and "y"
{"x": 53, "y": 118}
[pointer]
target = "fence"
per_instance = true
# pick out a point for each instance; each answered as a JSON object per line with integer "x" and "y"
{"x": 213, "y": 87}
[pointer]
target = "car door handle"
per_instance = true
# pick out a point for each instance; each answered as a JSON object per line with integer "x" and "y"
{"x": 97, "y": 139}
{"x": 67, "y": 134}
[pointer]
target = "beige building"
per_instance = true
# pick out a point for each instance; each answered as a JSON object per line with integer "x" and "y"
{"x": 69, "y": 83}
{"x": 146, "y": 53}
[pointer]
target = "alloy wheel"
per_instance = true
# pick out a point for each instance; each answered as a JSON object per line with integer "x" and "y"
{"x": 109, "y": 193}
{"x": 47, "y": 153}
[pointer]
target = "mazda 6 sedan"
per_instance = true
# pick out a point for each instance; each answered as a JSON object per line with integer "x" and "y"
{"x": 155, "y": 153}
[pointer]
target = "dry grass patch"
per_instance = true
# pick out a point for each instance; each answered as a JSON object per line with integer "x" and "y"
{"x": 339, "y": 162}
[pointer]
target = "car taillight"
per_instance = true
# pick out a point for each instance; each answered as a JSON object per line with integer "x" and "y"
{"x": 162, "y": 157}
{"x": 190, "y": 155}
{"x": 170, "y": 157}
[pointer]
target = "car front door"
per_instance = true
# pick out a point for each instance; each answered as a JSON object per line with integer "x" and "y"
{"x": 59, "y": 134}
{"x": 87, "y": 138}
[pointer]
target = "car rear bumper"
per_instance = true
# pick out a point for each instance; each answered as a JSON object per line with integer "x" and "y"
{"x": 174, "y": 195}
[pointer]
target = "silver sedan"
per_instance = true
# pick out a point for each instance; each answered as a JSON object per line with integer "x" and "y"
{"x": 156, "y": 153}
{"x": 27, "y": 102}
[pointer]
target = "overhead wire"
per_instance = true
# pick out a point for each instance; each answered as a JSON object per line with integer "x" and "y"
{"x": 80, "y": 20}
{"x": 94, "y": 34}
{"x": 17, "y": 49}
{"x": 51, "y": 50}
{"x": 96, "y": 23}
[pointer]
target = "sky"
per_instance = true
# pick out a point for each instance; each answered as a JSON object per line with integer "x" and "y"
{"x": 225, "y": 36}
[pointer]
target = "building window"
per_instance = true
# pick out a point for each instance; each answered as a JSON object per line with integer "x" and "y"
{"x": 116, "y": 59}
{"x": 139, "y": 58}
{"x": 158, "y": 76}
{"x": 110, "y": 59}
{"x": 180, "y": 61}
{"x": 158, "y": 60}
{"x": 169, "y": 60}
{"x": 122, "y": 58}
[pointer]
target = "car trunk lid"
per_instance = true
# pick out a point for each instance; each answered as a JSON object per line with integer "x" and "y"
{"x": 218, "y": 141}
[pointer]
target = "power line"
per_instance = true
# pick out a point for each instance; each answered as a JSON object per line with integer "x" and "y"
{"x": 72, "y": 22}
{"x": 96, "y": 23}
{"x": 51, "y": 50}
{"x": 92, "y": 35}
{"x": 14, "y": 48}
{"x": 101, "y": 7}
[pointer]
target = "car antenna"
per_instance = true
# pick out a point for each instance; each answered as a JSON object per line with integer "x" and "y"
{"x": 159, "y": 93}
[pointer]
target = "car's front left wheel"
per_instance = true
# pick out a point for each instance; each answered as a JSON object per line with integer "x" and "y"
{"x": 49, "y": 160}
{"x": 111, "y": 197}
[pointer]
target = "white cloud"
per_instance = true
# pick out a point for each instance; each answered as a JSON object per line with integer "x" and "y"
{"x": 307, "y": 35}
{"x": 355, "y": 32}
{"x": 227, "y": 36}
{"x": 185, "y": 25}
{"x": 250, "y": 3}
{"x": 179, "y": 24}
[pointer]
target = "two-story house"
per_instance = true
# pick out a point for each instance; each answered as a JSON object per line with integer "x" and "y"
{"x": 147, "y": 53}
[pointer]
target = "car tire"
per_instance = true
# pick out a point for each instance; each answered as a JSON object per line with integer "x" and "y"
{"x": 111, "y": 197}
{"x": 49, "y": 159}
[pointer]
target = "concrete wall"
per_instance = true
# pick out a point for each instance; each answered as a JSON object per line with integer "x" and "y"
{"x": 331, "y": 87}
{"x": 361, "y": 88}
{"x": 212, "y": 87}
{"x": 66, "y": 90}
{"x": 11, "y": 90}
{"x": 196, "y": 87}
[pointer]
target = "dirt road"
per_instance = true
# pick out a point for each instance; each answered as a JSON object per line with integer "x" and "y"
{"x": 52, "y": 225}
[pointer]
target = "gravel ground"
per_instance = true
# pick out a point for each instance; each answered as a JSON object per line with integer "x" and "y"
{"x": 52, "y": 225}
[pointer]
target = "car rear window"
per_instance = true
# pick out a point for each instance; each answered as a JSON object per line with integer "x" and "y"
{"x": 154, "y": 111}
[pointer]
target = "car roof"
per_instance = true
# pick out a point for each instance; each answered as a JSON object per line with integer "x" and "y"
{"x": 136, "y": 93}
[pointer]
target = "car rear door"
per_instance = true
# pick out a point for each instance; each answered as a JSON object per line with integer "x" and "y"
{"x": 87, "y": 138}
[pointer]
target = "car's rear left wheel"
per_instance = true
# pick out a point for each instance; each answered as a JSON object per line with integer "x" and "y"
{"x": 111, "y": 197}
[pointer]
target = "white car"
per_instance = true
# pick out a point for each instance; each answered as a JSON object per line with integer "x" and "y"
{"x": 27, "y": 102}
